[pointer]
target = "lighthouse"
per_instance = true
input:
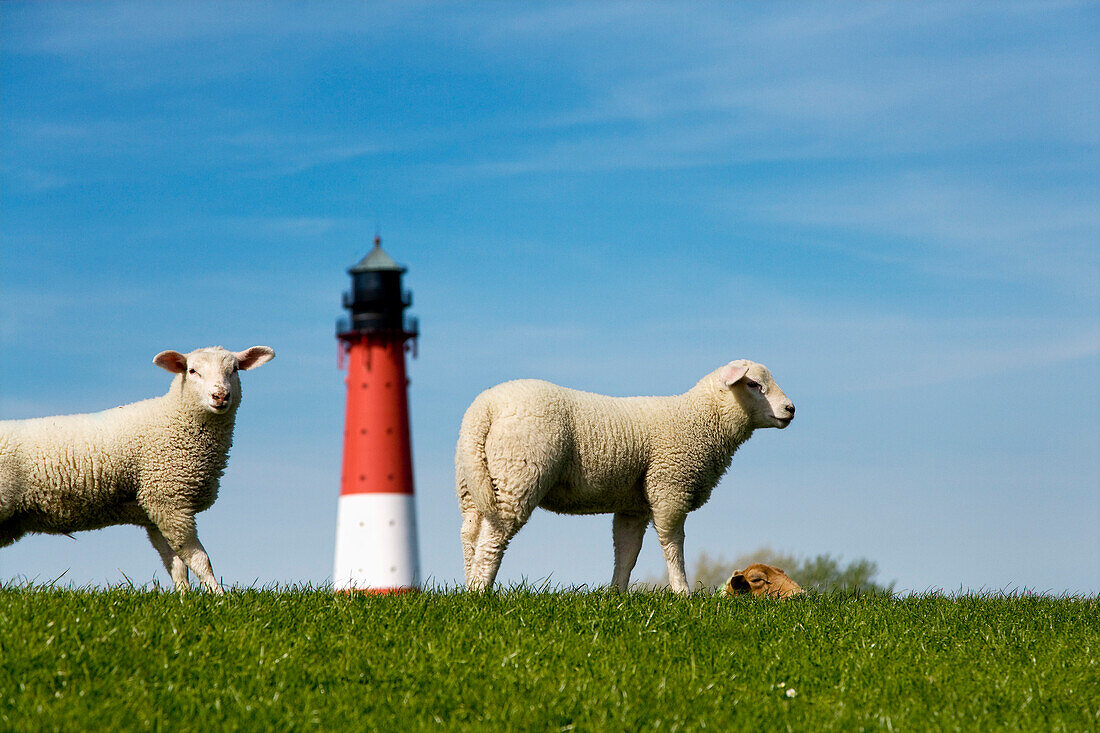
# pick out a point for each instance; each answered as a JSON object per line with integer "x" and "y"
{"x": 376, "y": 547}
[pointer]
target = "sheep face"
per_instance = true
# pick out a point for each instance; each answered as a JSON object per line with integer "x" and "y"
{"x": 752, "y": 386}
{"x": 759, "y": 579}
{"x": 209, "y": 376}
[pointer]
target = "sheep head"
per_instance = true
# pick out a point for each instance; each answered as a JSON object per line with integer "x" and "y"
{"x": 208, "y": 377}
{"x": 759, "y": 579}
{"x": 752, "y": 386}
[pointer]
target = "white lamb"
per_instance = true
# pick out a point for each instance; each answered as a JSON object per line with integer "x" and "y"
{"x": 529, "y": 443}
{"x": 154, "y": 463}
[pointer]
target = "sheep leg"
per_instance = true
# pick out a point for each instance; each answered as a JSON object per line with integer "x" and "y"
{"x": 183, "y": 538}
{"x": 471, "y": 527}
{"x": 194, "y": 554}
{"x": 492, "y": 541}
{"x": 670, "y": 533}
{"x": 517, "y": 496}
{"x": 175, "y": 565}
{"x": 627, "y": 532}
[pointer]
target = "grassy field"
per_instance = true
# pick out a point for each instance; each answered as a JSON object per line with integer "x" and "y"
{"x": 125, "y": 659}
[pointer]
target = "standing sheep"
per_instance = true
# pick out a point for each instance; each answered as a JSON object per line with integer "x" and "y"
{"x": 154, "y": 463}
{"x": 529, "y": 443}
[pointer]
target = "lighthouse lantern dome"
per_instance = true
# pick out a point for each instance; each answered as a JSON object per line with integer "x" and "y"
{"x": 376, "y": 300}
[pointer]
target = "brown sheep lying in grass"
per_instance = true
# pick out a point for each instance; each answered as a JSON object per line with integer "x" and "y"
{"x": 759, "y": 579}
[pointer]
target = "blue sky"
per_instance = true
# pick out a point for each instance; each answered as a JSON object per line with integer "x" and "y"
{"x": 896, "y": 207}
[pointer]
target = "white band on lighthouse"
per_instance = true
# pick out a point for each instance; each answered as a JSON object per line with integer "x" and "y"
{"x": 376, "y": 543}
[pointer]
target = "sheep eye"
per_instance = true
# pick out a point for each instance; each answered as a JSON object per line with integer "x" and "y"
{"x": 755, "y": 385}
{"x": 192, "y": 371}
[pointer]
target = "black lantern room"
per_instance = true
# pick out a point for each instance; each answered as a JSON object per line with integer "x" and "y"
{"x": 376, "y": 302}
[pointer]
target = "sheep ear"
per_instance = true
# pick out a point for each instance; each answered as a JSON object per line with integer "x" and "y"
{"x": 172, "y": 361}
{"x": 254, "y": 357}
{"x": 733, "y": 373}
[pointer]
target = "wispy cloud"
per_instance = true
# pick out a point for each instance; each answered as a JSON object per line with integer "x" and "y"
{"x": 901, "y": 352}
{"x": 136, "y": 27}
{"x": 853, "y": 82}
{"x": 308, "y": 227}
{"x": 940, "y": 223}
{"x": 34, "y": 180}
{"x": 739, "y": 86}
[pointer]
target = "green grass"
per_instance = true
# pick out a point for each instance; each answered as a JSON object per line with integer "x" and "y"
{"x": 522, "y": 660}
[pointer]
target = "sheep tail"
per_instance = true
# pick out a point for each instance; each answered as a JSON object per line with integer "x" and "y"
{"x": 473, "y": 465}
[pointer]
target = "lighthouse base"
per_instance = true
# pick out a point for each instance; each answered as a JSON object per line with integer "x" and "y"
{"x": 376, "y": 543}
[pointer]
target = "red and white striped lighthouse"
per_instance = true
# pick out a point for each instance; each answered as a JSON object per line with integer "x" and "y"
{"x": 376, "y": 547}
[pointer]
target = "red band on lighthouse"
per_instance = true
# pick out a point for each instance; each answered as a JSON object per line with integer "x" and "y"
{"x": 377, "y": 449}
